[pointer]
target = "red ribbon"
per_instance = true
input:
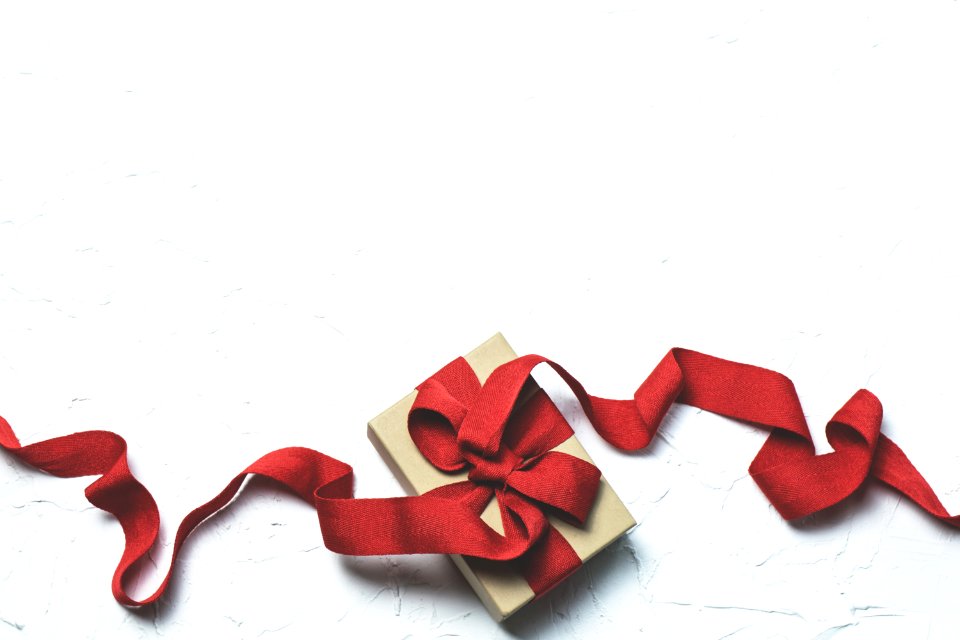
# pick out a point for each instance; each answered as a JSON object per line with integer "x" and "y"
{"x": 458, "y": 424}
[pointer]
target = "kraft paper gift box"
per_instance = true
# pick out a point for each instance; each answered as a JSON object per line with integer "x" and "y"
{"x": 501, "y": 588}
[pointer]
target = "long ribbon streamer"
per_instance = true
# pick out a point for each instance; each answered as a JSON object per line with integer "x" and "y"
{"x": 795, "y": 480}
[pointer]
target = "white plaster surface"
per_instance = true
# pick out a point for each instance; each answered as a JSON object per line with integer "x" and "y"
{"x": 231, "y": 227}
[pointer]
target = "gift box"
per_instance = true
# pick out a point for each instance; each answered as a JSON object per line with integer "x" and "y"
{"x": 503, "y": 586}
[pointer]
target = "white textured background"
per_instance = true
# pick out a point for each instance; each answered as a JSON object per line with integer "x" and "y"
{"x": 231, "y": 227}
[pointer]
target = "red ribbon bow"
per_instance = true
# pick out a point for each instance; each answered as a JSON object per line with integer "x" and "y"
{"x": 509, "y": 459}
{"x": 516, "y": 457}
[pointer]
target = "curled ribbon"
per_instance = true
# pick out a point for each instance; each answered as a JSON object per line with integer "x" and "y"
{"x": 458, "y": 424}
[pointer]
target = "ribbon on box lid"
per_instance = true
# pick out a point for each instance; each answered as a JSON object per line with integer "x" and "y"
{"x": 459, "y": 424}
{"x": 508, "y": 455}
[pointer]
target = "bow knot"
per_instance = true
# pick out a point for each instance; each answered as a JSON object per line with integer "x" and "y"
{"x": 496, "y": 469}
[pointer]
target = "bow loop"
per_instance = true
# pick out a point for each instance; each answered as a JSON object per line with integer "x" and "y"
{"x": 559, "y": 480}
{"x": 438, "y": 410}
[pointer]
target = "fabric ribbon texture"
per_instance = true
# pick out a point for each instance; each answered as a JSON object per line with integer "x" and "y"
{"x": 505, "y": 445}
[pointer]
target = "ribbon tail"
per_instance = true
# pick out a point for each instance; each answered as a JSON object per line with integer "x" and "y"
{"x": 118, "y": 492}
{"x": 550, "y": 561}
{"x": 892, "y": 467}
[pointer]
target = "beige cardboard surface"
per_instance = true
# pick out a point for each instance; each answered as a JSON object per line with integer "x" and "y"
{"x": 502, "y": 590}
